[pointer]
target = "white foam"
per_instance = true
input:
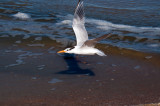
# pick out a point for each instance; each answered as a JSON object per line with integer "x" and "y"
{"x": 19, "y": 61}
{"x": 28, "y": 53}
{"x": 22, "y": 16}
{"x": 26, "y": 37}
{"x": 11, "y": 65}
{"x": 148, "y": 57}
{"x": 54, "y": 80}
{"x": 38, "y": 38}
{"x": 113, "y": 65}
{"x": 25, "y": 54}
{"x": 21, "y": 58}
{"x": 105, "y": 25}
{"x": 154, "y": 45}
{"x": 7, "y": 51}
{"x": 65, "y": 22}
{"x": 109, "y": 26}
{"x": 41, "y": 67}
{"x": 19, "y": 51}
{"x": 18, "y": 41}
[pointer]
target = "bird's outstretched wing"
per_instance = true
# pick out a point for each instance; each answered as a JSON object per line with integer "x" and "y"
{"x": 78, "y": 24}
{"x": 92, "y": 42}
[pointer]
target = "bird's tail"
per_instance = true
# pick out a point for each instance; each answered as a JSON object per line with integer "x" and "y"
{"x": 100, "y": 53}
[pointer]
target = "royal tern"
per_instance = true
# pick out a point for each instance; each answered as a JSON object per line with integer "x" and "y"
{"x": 84, "y": 45}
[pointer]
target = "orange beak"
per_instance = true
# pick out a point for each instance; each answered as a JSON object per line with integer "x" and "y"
{"x": 62, "y": 51}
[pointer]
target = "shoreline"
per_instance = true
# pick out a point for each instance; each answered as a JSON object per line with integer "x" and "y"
{"x": 38, "y": 76}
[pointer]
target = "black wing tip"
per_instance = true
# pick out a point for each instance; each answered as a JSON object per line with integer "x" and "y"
{"x": 79, "y": 11}
{"x": 79, "y": 2}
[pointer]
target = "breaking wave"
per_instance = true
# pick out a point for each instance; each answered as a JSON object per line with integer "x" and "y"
{"x": 126, "y": 36}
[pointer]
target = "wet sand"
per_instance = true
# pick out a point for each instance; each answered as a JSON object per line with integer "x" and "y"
{"x": 35, "y": 75}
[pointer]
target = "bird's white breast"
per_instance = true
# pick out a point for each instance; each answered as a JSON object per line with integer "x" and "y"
{"x": 86, "y": 50}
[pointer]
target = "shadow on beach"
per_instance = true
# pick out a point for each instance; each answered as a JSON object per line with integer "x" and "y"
{"x": 73, "y": 67}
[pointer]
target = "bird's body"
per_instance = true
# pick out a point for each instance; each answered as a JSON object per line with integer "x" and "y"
{"x": 86, "y": 51}
{"x": 84, "y": 45}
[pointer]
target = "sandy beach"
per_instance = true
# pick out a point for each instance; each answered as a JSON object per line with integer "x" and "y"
{"x": 33, "y": 74}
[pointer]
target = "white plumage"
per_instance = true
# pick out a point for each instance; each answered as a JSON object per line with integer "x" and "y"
{"x": 78, "y": 25}
{"x": 84, "y": 45}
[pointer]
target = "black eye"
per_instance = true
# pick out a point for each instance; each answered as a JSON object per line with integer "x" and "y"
{"x": 71, "y": 48}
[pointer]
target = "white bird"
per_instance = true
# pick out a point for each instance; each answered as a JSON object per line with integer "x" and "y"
{"x": 22, "y": 16}
{"x": 84, "y": 45}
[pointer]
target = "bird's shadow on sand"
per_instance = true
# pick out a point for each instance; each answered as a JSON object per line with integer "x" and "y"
{"x": 73, "y": 67}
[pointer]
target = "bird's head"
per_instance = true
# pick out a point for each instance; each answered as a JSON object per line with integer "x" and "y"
{"x": 67, "y": 50}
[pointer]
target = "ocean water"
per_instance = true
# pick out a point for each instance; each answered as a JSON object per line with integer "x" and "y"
{"x": 135, "y": 24}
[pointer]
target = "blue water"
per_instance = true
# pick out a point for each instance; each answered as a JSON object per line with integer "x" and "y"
{"x": 134, "y": 23}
